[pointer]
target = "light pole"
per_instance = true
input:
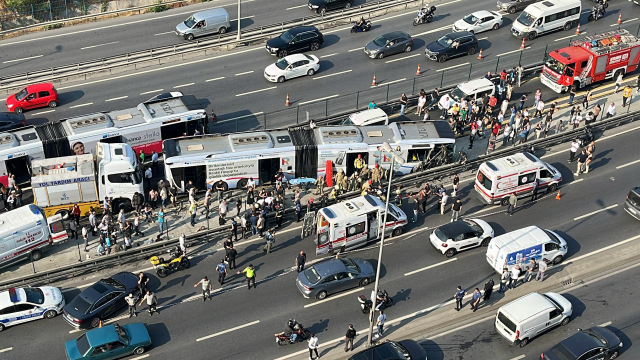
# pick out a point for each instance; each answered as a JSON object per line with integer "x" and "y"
{"x": 238, "y": 36}
{"x": 394, "y": 158}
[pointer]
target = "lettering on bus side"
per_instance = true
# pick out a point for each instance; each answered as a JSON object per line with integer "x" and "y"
{"x": 142, "y": 138}
{"x": 64, "y": 182}
{"x": 235, "y": 169}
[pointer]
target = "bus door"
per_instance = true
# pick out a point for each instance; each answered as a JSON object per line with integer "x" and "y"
{"x": 198, "y": 174}
{"x": 20, "y": 167}
{"x": 373, "y": 225}
{"x": 351, "y": 159}
{"x": 267, "y": 169}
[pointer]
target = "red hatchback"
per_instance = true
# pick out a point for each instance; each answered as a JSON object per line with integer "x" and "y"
{"x": 33, "y": 96}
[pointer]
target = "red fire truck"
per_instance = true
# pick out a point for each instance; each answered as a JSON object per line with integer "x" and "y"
{"x": 591, "y": 59}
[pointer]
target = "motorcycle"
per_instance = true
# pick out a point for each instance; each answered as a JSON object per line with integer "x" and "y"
{"x": 286, "y": 338}
{"x": 587, "y": 137}
{"x": 361, "y": 28}
{"x": 597, "y": 13}
{"x": 424, "y": 16}
{"x": 177, "y": 260}
{"x": 366, "y": 303}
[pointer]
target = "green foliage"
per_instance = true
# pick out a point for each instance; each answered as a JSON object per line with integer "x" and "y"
{"x": 159, "y": 7}
{"x": 53, "y": 26}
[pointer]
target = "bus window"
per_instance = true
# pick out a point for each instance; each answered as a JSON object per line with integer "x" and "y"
{"x": 417, "y": 155}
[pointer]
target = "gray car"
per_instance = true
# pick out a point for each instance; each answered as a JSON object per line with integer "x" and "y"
{"x": 334, "y": 275}
{"x": 388, "y": 44}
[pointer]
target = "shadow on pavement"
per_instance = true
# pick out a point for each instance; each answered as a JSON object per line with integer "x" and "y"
{"x": 434, "y": 352}
{"x": 159, "y": 333}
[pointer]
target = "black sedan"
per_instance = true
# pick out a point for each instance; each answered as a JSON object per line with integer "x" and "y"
{"x": 597, "y": 343}
{"x": 11, "y": 120}
{"x": 391, "y": 350}
{"x": 452, "y": 45}
{"x": 388, "y": 44}
{"x": 100, "y": 300}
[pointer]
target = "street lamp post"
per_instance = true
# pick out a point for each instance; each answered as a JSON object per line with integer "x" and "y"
{"x": 238, "y": 36}
{"x": 394, "y": 158}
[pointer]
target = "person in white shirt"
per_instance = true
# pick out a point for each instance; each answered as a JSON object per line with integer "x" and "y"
{"x": 313, "y": 346}
{"x": 222, "y": 209}
{"x": 515, "y": 273}
{"x": 183, "y": 246}
{"x": 154, "y": 159}
{"x": 505, "y": 134}
{"x": 445, "y": 104}
{"x": 251, "y": 183}
{"x": 575, "y": 145}
{"x": 148, "y": 175}
{"x": 443, "y": 203}
{"x": 611, "y": 110}
{"x": 382, "y": 318}
{"x": 85, "y": 237}
{"x": 127, "y": 242}
{"x": 164, "y": 196}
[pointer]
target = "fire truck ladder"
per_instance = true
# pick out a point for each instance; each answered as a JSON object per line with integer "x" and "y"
{"x": 605, "y": 43}
{"x": 587, "y": 68}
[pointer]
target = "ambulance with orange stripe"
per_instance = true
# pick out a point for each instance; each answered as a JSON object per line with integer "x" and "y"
{"x": 497, "y": 179}
{"x": 355, "y": 222}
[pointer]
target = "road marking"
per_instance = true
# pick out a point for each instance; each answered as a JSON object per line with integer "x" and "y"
{"x": 606, "y": 248}
{"x": 595, "y": 212}
{"x": 27, "y": 58}
{"x": 554, "y": 153}
{"x": 81, "y": 105}
{"x": 624, "y": 22}
{"x": 333, "y": 297}
{"x": 454, "y": 66}
{"x": 620, "y": 133}
{"x": 42, "y": 112}
{"x": 183, "y": 85}
{"x": 240, "y": 117}
{"x": 320, "y": 99}
{"x": 361, "y": 49}
{"x": 566, "y": 37}
{"x": 152, "y": 91}
{"x": 605, "y": 324}
{"x": 430, "y": 267}
{"x": 389, "y": 82}
{"x": 7, "y": 349}
{"x": 462, "y": 327}
{"x": 627, "y": 164}
{"x": 244, "y": 73}
{"x": 484, "y": 38}
{"x": 140, "y": 357}
{"x": 305, "y": 5}
{"x": 488, "y": 208}
{"x": 326, "y": 56}
{"x": 434, "y": 30}
{"x": 338, "y": 73}
{"x": 117, "y": 98}
{"x": 228, "y": 330}
{"x": 518, "y": 357}
{"x": 95, "y": 46}
{"x": 164, "y": 33}
{"x": 514, "y": 51}
{"x": 257, "y": 91}
{"x": 215, "y": 79}
{"x": 403, "y": 58}
{"x": 573, "y": 182}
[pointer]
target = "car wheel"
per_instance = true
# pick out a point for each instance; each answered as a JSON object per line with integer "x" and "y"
{"x": 315, "y": 46}
{"x": 613, "y": 356}
{"x": 321, "y": 295}
{"x": 512, "y": 10}
{"x": 18, "y": 110}
{"x": 190, "y": 37}
{"x": 323, "y": 11}
{"x": 565, "y": 321}
{"x": 472, "y": 50}
{"x": 504, "y": 201}
{"x": 347, "y": 5}
{"x": 567, "y": 26}
{"x": 531, "y": 35}
{"x": 53, "y": 104}
{"x": 496, "y": 26}
{"x": 407, "y": 49}
{"x": 523, "y": 342}
{"x": 1, "y": 327}
{"x": 397, "y": 232}
{"x": 281, "y": 79}
{"x": 442, "y": 58}
{"x": 50, "y": 314}
{"x": 364, "y": 282}
{"x": 485, "y": 242}
{"x": 95, "y": 322}
{"x": 222, "y": 30}
{"x": 557, "y": 260}
{"x": 36, "y": 255}
{"x": 552, "y": 188}
{"x": 139, "y": 350}
{"x": 450, "y": 253}
{"x": 282, "y": 53}
{"x": 310, "y": 72}
{"x": 381, "y": 55}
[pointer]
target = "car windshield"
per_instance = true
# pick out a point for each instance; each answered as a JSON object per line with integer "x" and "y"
{"x": 596, "y": 336}
{"x": 312, "y": 275}
{"x": 34, "y": 295}
{"x": 83, "y": 344}
{"x": 381, "y": 41}
{"x": 552, "y": 237}
{"x": 526, "y": 19}
{"x": 474, "y": 225}
{"x": 445, "y": 41}
{"x": 554, "y": 65}
{"x": 470, "y": 19}
{"x": 190, "y": 22}
{"x": 457, "y": 94}
{"x": 441, "y": 235}
{"x": 113, "y": 282}
{"x": 286, "y": 36}
{"x": 22, "y": 94}
{"x": 393, "y": 210}
{"x": 403, "y": 353}
{"x": 350, "y": 265}
{"x": 282, "y": 64}
{"x": 484, "y": 180}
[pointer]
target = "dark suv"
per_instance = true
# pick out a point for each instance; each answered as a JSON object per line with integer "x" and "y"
{"x": 632, "y": 204}
{"x": 452, "y": 45}
{"x": 296, "y": 39}
{"x": 321, "y": 6}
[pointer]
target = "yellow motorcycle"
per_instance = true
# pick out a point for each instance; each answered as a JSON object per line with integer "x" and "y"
{"x": 177, "y": 260}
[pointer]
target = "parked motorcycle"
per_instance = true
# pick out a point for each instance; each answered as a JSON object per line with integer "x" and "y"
{"x": 383, "y": 297}
{"x": 425, "y": 15}
{"x": 293, "y": 327}
{"x": 366, "y": 26}
{"x": 176, "y": 261}
{"x": 586, "y": 138}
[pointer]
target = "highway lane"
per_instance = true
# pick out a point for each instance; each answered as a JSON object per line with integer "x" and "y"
{"x": 276, "y": 299}
{"x": 214, "y": 79}
{"x": 606, "y": 302}
{"x": 107, "y": 38}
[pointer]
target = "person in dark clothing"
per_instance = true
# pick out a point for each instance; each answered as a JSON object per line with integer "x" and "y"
{"x": 279, "y": 214}
{"x": 348, "y": 338}
{"x": 300, "y": 260}
{"x": 488, "y": 289}
{"x": 234, "y": 228}
{"x": 298, "y": 210}
{"x": 534, "y": 192}
{"x": 232, "y": 253}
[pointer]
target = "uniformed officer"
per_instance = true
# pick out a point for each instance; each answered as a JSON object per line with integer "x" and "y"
{"x": 319, "y": 185}
{"x": 359, "y": 163}
{"x": 376, "y": 174}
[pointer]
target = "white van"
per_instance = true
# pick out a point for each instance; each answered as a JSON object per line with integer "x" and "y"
{"x": 546, "y": 16}
{"x": 519, "y": 246}
{"x": 497, "y": 179}
{"x": 25, "y": 231}
{"x": 473, "y": 90}
{"x": 375, "y": 116}
{"x": 204, "y": 23}
{"x": 531, "y": 315}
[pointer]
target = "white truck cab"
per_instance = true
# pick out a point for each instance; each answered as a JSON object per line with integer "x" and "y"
{"x": 120, "y": 174}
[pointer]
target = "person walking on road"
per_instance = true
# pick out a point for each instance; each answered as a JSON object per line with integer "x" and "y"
{"x": 456, "y": 207}
{"x": 348, "y": 338}
{"x": 626, "y": 94}
{"x": 313, "y": 346}
{"x": 143, "y": 280}
{"x": 193, "y": 211}
{"x": 513, "y": 202}
{"x": 206, "y": 288}
{"x": 528, "y": 275}
{"x": 515, "y": 273}
{"x": 575, "y": 145}
{"x": 382, "y": 318}
{"x": 131, "y": 301}
{"x": 582, "y": 159}
{"x": 504, "y": 278}
{"x": 443, "y": 202}
{"x": 250, "y": 273}
{"x": 85, "y": 237}
{"x": 152, "y": 302}
{"x": 222, "y": 271}
{"x": 590, "y": 150}
{"x": 488, "y": 289}
{"x": 232, "y": 253}
{"x": 534, "y": 191}
{"x": 618, "y": 83}
{"x": 234, "y": 229}
{"x": 300, "y": 260}
{"x": 459, "y": 295}
{"x": 542, "y": 268}
{"x": 475, "y": 299}
{"x": 572, "y": 94}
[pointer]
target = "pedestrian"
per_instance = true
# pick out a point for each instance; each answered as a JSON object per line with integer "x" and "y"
{"x": 372, "y": 105}
{"x": 234, "y": 229}
{"x": 505, "y": 134}
{"x": 539, "y": 109}
{"x": 164, "y": 196}
{"x": 590, "y": 150}
{"x": 250, "y": 273}
{"x": 382, "y": 318}
{"x": 92, "y": 222}
{"x": 515, "y": 274}
{"x": 161, "y": 224}
{"x": 582, "y": 159}
{"x": 575, "y": 145}
{"x": 131, "y": 301}
{"x": 403, "y": 103}
{"x": 542, "y": 267}
{"x": 300, "y": 260}
{"x": 152, "y": 302}
{"x": 488, "y": 289}
{"x": 348, "y": 338}
{"x": 519, "y": 71}
{"x": 416, "y": 208}
{"x": 313, "y": 345}
{"x": 572, "y": 94}
{"x": 85, "y": 237}
{"x": 222, "y": 271}
{"x": 596, "y": 112}
{"x": 261, "y": 225}
{"x": 153, "y": 198}
{"x": 154, "y": 162}
{"x": 193, "y": 211}
{"x": 626, "y": 94}
{"x": 611, "y": 110}
{"x": 456, "y": 183}
{"x": 443, "y": 202}
{"x": 527, "y": 275}
{"x": 456, "y": 207}
{"x": 254, "y": 223}
{"x": 143, "y": 280}
{"x": 136, "y": 225}
{"x": 618, "y": 83}
{"x": 279, "y": 215}
{"x": 298, "y": 210}
{"x": 206, "y": 288}
{"x": 504, "y": 278}
{"x": 513, "y": 202}
{"x": 148, "y": 174}
{"x": 459, "y": 295}
{"x": 475, "y": 299}
{"x": 73, "y": 229}
{"x": 534, "y": 191}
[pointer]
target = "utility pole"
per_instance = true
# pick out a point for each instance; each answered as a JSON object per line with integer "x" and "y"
{"x": 238, "y": 36}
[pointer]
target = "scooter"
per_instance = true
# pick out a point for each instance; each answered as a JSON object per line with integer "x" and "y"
{"x": 366, "y": 303}
{"x": 302, "y": 334}
{"x": 361, "y": 28}
{"x": 596, "y": 13}
{"x": 177, "y": 260}
{"x": 424, "y": 16}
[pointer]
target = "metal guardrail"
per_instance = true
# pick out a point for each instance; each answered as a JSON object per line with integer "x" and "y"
{"x": 227, "y": 39}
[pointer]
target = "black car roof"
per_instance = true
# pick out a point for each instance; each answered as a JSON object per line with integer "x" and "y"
{"x": 300, "y": 29}
{"x": 458, "y": 35}
{"x": 455, "y": 228}
{"x": 384, "y": 351}
{"x": 576, "y": 345}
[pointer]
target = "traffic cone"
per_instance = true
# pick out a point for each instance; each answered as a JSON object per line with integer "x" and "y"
{"x": 418, "y": 72}
{"x": 578, "y": 30}
{"x": 287, "y": 103}
{"x": 100, "y": 324}
{"x": 620, "y": 18}
{"x": 373, "y": 83}
{"x": 480, "y": 55}
{"x": 522, "y": 45}
{"x": 558, "y": 196}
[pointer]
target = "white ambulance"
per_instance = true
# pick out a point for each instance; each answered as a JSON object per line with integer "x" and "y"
{"x": 497, "y": 179}
{"x": 355, "y": 222}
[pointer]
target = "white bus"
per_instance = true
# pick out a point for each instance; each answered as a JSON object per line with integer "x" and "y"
{"x": 299, "y": 152}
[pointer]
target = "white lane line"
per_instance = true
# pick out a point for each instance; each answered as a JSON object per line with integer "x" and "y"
{"x": 389, "y": 82}
{"x": 338, "y": 73}
{"x": 430, "y": 267}
{"x": 514, "y": 51}
{"x": 329, "y": 55}
{"x": 573, "y": 182}
{"x": 243, "y": 73}
{"x": 7, "y": 349}
{"x": 595, "y": 212}
{"x": 484, "y": 38}
{"x": 605, "y": 324}
{"x": 42, "y": 112}
{"x": 333, "y": 297}
{"x": 215, "y": 79}
{"x": 554, "y": 153}
{"x": 152, "y": 91}
{"x": 620, "y": 133}
{"x": 140, "y": 357}
{"x": 566, "y": 37}
{"x": 27, "y": 58}
{"x": 624, "y": 22}
{"x": 164, "y": 33}
{"x": 296, "y": 7}
{"x": 356, "y": 49}
{"x": 117, "y": 98}
{"x": 605, "y": 248}
{"x": 454, "y": 66}
{"x": 403, "y": 58}
{"x": 627, "y": 164}
{"x": 257, "y": 91}
{"x": 183, "y": 85}
{"x": 434, "y": 30}
{"x": 240, "y": 117}
{"x": 518, "y": 357}
{"x": 228, "y": 331}
{"x": 320, "y": 99}
{"x": 95, "y": 46}
{"x": 488, "y": 208}
{"x": 81, "y": 105}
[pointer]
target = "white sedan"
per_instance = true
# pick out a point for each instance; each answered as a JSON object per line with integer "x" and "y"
{"x": 292, "y": 66}
{"x": 461, "y": 235}
{"x": 479, "y": 21}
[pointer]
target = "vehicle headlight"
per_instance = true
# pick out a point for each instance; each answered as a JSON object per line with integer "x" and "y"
{"x": 620, "y": 344}
{"x": 315, "y": 6}
{"x": 526, "y": 28}
{"x": 273, "y": 48}
{"x": 9, "y": 106}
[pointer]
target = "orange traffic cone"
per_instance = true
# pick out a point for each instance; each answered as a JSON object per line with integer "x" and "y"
{"x": 287, "y": 103}
{"x": 620, "y": 18}
{"x": 578, "y": 30}
{"x": 558, "y": 196}
{"x": 480, "y": 55}
{"x": 418, "y": 72}
{"x": 522, "y": 45}
{"x": 100, "y": 324}
{"x": 373, "y": 83}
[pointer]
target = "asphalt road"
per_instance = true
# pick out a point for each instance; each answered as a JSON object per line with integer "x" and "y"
{"x": 607, "y": 302}
{"x": 238, "y": 324}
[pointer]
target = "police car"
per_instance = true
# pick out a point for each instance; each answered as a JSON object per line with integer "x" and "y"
{"x": 20, "y": 305}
